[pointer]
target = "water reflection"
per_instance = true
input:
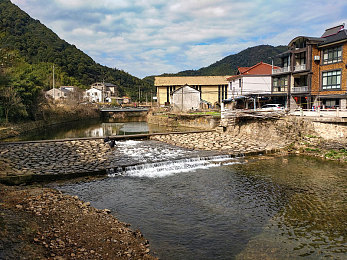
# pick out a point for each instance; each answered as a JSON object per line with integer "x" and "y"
{"x": 93, "y": 128}
{"x": 282, "y": 208}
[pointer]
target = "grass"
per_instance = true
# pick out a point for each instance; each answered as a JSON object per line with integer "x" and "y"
{"x": 311, "y": 136}
{"x": 336, "y": 154}
{"x": 312, "y": 150}
{"x": 213, "y": 113}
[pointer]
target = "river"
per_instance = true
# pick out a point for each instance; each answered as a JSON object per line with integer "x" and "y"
{"x": 93, "y": 128}
{"x": 217, "y": 207}
{"x": 277, "y": 208}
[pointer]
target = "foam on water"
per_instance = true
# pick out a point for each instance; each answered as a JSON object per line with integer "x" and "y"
{"x": 167, "y": 168}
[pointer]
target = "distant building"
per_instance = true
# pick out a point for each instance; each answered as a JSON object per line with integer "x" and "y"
{"x": 69, "y": 88}
{"x": 93, "y": 95}
{"x": 57, "y": 93}
{"x": 213, "y": 89}
{"x": 255, "y": 80}
{"x": 186, "y": 98}
{"x": 122, "y": 100}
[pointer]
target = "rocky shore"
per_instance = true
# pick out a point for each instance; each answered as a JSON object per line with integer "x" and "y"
{"x": 42, "y": 223}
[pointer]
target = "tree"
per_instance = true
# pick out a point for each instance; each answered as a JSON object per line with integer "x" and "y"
{"x": 11, "y": 102}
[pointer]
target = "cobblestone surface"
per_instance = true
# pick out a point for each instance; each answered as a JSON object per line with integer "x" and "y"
{"x": 73, "y": 157}
{"x": 221, "y": 141}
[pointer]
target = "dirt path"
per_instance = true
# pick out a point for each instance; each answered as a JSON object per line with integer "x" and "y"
{"x": 42, "y": 223}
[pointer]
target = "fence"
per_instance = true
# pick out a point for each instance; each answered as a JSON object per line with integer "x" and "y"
{"x": 320, "y": 112}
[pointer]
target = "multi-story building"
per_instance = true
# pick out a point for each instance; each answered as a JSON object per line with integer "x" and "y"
{"x": 313, "y": 71}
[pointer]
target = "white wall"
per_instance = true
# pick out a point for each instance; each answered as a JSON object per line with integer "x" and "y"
{"x": 94, "y": 95}
{"x": 189, "y": 99}
{"x": 249, "y": 85}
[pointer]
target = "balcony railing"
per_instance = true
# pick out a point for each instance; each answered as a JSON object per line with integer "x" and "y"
{"x": 281, "y": 70}
{"x": 302, "y": 89}
{"x": 300, "y": 67}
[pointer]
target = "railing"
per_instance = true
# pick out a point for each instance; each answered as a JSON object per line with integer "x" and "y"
{"x": 281, "y": 70}
{"x": 302, "y": 89}
{"x": 320, "y": 112}
{"x": 300, "y": 67}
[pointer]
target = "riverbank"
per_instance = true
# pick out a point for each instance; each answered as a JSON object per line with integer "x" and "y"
{"x": 289, "y": 135}
{"x": 43, "y": 223}
{"x": 53, "y": 114}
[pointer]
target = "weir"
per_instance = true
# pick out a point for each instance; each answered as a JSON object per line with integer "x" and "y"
{"x": 26, "y": 162}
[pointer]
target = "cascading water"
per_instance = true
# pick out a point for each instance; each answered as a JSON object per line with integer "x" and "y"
{"x": 166, "y": 168}
{"x": 153, "y": 159}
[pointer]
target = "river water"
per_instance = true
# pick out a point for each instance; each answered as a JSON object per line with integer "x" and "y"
{"x": 277, "y": 208}
{"x": 93, "y": 128}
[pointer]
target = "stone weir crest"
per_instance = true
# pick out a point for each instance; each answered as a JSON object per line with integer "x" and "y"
{"x": 25, "y": 162}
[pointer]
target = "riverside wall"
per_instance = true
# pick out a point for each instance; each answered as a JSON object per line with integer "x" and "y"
{"x": 206, "y": 122}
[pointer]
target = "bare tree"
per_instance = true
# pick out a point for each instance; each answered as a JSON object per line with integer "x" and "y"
{"x": 11, "y": 101}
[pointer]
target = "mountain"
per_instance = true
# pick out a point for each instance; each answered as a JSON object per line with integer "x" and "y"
{"x": 39, "y": 47}
{"x": 229, "y": 64}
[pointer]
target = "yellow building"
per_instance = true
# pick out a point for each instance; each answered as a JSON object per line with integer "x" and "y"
{"x": 213, "y": 89}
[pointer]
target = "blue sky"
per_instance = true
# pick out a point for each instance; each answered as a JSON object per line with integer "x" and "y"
{"x": 151, "y": 37}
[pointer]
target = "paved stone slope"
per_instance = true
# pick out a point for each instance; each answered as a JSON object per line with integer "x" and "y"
{"x": 83, "y": 157}
{"x": 221, "y": 141}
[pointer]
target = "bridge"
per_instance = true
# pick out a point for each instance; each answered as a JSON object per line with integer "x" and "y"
{"x": 124, "y": 109}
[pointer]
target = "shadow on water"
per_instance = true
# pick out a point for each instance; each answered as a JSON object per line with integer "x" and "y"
{"x": 281, "y": 208}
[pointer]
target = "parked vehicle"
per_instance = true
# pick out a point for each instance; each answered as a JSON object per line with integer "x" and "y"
{"x": 269, "y": 107}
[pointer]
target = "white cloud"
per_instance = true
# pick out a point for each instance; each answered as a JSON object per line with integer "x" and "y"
{"x": 146, "y": 37}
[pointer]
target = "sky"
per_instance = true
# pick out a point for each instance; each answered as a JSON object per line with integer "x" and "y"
{"x": 151, "y": 37}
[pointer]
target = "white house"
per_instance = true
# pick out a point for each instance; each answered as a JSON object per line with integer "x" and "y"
{"x": 186, "y": 98}
{"x": 93, "y": 95}
{"x": 255, "y": 80}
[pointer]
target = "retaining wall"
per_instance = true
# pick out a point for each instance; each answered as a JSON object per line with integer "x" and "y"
{"x": 195, "y": 121}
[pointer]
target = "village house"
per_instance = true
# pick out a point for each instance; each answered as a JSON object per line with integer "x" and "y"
{"x": 186, "y": 98}
{"x": 58, "y": 93}
{"x": 213, "y": 89}
{"x": 93, "y": 95}
{"x": 249, "y": 81}
{"x": 313, "y": 71}
{"x": 109, "y": 89}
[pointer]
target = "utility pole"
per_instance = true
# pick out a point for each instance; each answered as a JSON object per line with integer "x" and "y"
{"x": 53, "y": 84}
{"x": 151, "y": 99}
{"x": 139, "y": 94}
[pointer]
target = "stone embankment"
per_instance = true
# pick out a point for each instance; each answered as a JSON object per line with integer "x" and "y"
{"x": 222, "y": 141}
{"x": 50, "y": 160}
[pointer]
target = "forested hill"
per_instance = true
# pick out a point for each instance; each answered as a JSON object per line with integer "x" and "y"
{"x": 229, "y": 64}
{"x": 40, "y": 47}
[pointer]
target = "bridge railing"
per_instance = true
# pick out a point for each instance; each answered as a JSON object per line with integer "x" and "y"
{"x": 320, "y": 112}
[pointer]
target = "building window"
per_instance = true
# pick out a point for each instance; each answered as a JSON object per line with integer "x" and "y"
{"x": 300, "y": 58}
{"x": 280, "y": 84}
{"x": 332, "y": 55}
{"x": 331, "y": 80}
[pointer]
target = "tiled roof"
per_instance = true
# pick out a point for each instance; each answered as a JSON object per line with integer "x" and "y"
{"x": 341, "y": 35}
{"x": 260, "y": 68}
{"x": 332, "y": 31}
{"x": 192, "y": 81}
{"x": 242, "y": 69}
{"x": 109, "y": 85}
